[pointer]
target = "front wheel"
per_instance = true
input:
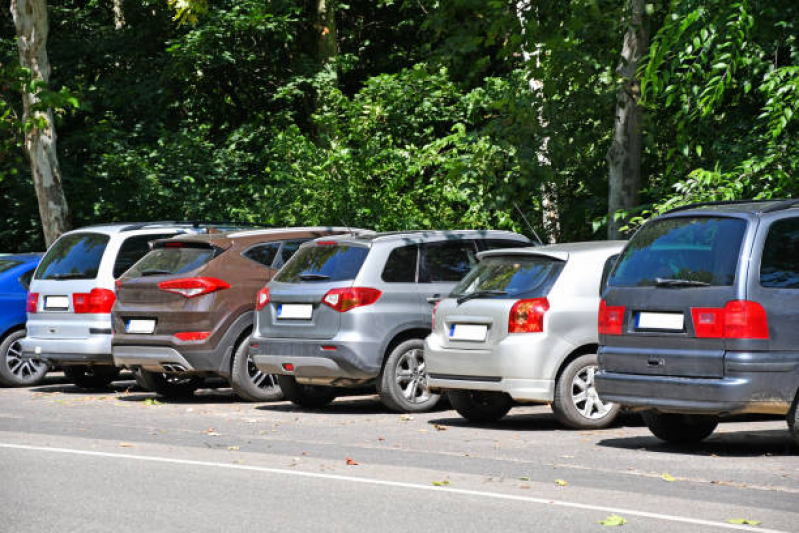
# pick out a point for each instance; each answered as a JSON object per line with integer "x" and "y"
{"x": 480, "y": 406}
{"x": 15, "y": 370}
{"x": 170, "y": 385}
{"x": 577, "y": 404}
{"x": 248, "y": 382}
{"x": 91, "y": 377}
{"x": 678, "y": 428}
{"x": 403, "y": 383}
{"x": 793, "y": 420}
{"x": 308, "y": 396}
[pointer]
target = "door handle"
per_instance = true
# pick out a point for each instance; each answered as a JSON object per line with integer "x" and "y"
{"x": 434, "y": 299}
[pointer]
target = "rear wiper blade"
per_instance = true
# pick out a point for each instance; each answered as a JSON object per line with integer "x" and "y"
{"x": 310, "y": 277}
{"x": 667, "y": 282}
{"x": 156, "y": 272}
{"x": 479, "y": 294}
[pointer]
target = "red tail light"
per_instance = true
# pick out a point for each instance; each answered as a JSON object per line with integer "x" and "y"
{"x": 738, "y": 319}
{"x": 96, "y": 301}
{"x": 527, "y": 316}
{"x": 342, "y": 300}
{"x": 611, "y": 319}
{"x": 326, "y": 243}
{"x": 435, "y": 308}
{"x": 262, "y": 299}
{"x": 33, "y": 302}
{"x": 193, "y": 287}
{"x": 193, "y": 335}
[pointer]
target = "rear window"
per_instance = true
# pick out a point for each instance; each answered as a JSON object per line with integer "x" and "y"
{"x": 517, "y": 276}
{"x": 779, "y": 267}
{"x": 8, "y": 264}
{"x": 166, "y": 261}
{"x": 496, "y": 244}
{"x": 688, "y": 249}
{"x": 133, "y": 249}
{"x": 75, "y": 256}
{"x": 323, "y": 263}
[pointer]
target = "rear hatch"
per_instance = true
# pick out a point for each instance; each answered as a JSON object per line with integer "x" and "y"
{"x": 295, "y": 308}
{"x": 476, "y": 314}
{"x": 665, "y": 295}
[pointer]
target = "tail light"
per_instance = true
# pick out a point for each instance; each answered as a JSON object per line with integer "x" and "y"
{"x": 738, "y": 319}
{"x": 193, "y": 287}
{"x": 96, "y": 301}
{"x": 193, "y": 335}
{"x": 342, "y": 300}
{"x": 435, "y": 308}
{"x": 33, "y": 302}
{"x": 262, "y": 299}
{"x": 611, "y": 319}
{"x": 527, "y": 316}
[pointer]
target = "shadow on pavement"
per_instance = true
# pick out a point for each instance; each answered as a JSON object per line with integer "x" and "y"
{"x": 533, "y": 422}
{"x": 344, "y": 405}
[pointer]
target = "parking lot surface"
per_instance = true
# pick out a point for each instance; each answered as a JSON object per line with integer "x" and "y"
{"x": 125, "y": 460}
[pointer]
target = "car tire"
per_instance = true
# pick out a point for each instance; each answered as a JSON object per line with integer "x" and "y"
{"x": 308, "y": 396}
{"x": 249, "y": 383}
{"x": 480, "y": 406}
{"x": 679, "y": 428}
{"x": 15, "y": 371}
{"x": 91, "y": 377}
{"x": 576, "y": 404}
{"x": 170, "y": 385}
{"x": 793, "y": 420}
{"x": 403, "y": 382}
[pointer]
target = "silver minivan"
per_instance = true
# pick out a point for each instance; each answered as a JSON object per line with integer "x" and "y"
{"x": 522, "y": 327}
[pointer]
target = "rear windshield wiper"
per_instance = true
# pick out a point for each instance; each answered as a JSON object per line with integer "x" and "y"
{"x": 667, "y": 282}
{"x": 72, "y": 275}
{"x": 479, "y": 294}
{"x": 313, "y": 277}
{"x": 156, "y": 272}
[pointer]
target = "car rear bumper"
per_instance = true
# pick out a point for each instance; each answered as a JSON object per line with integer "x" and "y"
{"x": 95, "y": 350}
{"x": 153, "y": 358}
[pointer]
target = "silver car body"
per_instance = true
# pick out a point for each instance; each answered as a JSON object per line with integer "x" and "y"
{"x": 524, "y": 365}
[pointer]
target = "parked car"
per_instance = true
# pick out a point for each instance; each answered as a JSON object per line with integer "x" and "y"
{"x": 521, "y": 327}
{"x": 185, "y": 310}
{"x": 353, "y": 311}
{"x": 699, "y": 318}
{"x": 72, "y": 293}
{"x": 15, "y": 275}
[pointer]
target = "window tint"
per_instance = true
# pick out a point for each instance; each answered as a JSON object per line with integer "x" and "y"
{"x": 448, "y": 261}
{"x": 780, "y": 264}
{"x": 289, "y": 249}
{"x": 133, "y": 249}
{"x": 25, "y": 279}
{"x": 263, "y": 253}
{"x": 323, "y": 263}
{"x": 401, "y": 265}
{"x": 701, "y": 249}
{"x": 611, "y": 261}
{"x": 495, "y": 244}
{"x": 518, "y": 276}
{"x": 166, "y": 261}
{"x": 8, "y": 264}
{"x": 75, "y": 256}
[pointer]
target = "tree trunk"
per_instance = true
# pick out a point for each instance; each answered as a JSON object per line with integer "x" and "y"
{"x": 119, "y": 14}
{"x": 624, "y": 155}
{"x": 327, "y": 38}
{"x": 30, "y": 19}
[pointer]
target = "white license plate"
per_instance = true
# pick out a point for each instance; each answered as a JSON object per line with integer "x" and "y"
{"x": 661, "y": 321}
{"x": 141, "y": 326}
{"x": 468, "y": 332}
{"x": 56, "y": 302}
{"x": 295, "y": 311}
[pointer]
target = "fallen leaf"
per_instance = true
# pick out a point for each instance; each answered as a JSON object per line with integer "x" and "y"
{"x": 441, "y": 483}
{"x": 524, "y": 478}
{"x": 524, "y": 486}
{"x": 668, "y": 477}
{"x": 152, "y": 401}
{"x": 125, "y": 445}
{"x": 406, "y": 418}
{"x": 213, "y": 434}
{"x": 744, "y": 521}
{"x": 351, "y": 462}
{"x": 561, "y": 482}
{"x": 232, "y": 447}
{"x": 613, "y": 520}
{"x": 439, "y": 427}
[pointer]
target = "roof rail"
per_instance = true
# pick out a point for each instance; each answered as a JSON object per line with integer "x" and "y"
{"x": 722, "y": 202}
{"x": 782, "y": 204}
{"x": 193, "y": 223}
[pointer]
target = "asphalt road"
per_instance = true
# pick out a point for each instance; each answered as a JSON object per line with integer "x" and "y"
{"x": 73, "y": 460}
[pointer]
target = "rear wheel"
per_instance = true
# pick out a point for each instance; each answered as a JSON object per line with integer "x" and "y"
{"x": 480, "y": 406}
{"x": 15, "y": 370}
{"x": 309, "y": 396}
{"x": 577, "y": 404}
{"x": 91, "y": 377}
{"x": 793, "y": 420}
{"x": 170, "y": 385}
{"x": 678, "y": 428}
{"x": 403, "y": 383}
{"x": 248, "y": 382}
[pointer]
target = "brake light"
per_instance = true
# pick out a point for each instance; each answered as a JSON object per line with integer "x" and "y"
{"x": 173, "y": 245}
{"x": 192, "y": 335}
{"x": 193, "y": 287}
{"x": 738, "y": 319}
{"x": 342, "y": 300}
{"x": 611, "y": 319}
{"x": 32, "y": 304}
{"x": 262, "y": 299}
{"x": 96, "y": 301}
{"x": 326, "y": 243}
{"x": 435, "y": 308}
{"x": 527, "y": 316}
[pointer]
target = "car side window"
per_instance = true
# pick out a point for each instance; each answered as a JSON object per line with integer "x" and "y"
{"x": 609, "y": 263}
{"x": 779, "y": 267}
{"x": 263, "y": 253}
{"x": 448, "y": 261}
{"x": 133, "y": 249}
{"x": 25, "y": 279}
{"x": 289, "y": 248}
{"x": 401, "y": 265}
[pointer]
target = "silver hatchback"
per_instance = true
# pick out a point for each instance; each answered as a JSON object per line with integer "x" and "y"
{"x": 522, "y": 327}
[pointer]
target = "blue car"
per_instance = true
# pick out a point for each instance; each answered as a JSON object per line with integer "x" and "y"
{"x": 16, "y": 272}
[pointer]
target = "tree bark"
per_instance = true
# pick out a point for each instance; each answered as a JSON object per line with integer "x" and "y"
{"x": 327, "y": 38}
{"x": 119, "y": 14}
{"x": 30, "y": 20}
{"x": 624, "y": 154}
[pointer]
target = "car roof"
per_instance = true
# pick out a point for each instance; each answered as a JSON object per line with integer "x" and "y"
{"x": 559, "y": 251}
{"x": 434, "y": 235}
{"x": 25, "y": 258}
{"x": 751, "y": 207}
{"x": 248, "y": 237}
{"x": 121, "y": 227}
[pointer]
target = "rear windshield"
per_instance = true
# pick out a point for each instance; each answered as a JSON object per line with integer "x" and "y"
{"x": 75, "y": 256}
{"x": 511, "y": 276}
{"x": 8, "y": 264}
{"x": 166, "y": 261}
{"x": 703, "y": 250}
{"x": 323, "y": 263}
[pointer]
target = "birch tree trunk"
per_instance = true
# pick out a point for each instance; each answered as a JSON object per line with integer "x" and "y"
{"x": 624, "y": 155}
{"x": 30, "y": 20}
{"x": 119, "y": 14}
{"x": 327, "y": 39}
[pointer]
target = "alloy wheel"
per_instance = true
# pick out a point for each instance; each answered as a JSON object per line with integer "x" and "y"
{"x": 260, "y": 379}
{"x": 23, "y": 368}
{"x": 585, "y": 397}
{"x": 411, "y": 376}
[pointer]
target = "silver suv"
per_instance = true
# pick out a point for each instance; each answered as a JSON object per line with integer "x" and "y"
{"x": 353, "y": 311}
{"x": 522, "y": 326}
{"x": 73, "y": 291}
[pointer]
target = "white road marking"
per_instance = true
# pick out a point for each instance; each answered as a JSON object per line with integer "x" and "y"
{"x": 396, "y": 484}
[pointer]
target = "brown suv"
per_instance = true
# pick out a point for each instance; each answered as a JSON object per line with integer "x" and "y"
{"x": 185, "y": 310}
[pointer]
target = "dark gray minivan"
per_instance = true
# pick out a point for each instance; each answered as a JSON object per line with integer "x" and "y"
{"x": 699, "y": 318}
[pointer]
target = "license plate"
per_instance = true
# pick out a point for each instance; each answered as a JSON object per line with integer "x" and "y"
{"x": 295, "y": 311}
{"x": 56, "y": 302}
{"x": 140, "y": 326}
{"x": 468, "y": 332}
{"x": 661, "y": 321}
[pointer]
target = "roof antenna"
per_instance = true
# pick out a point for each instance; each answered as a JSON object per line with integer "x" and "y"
{"x": 345, "y": 225}
{"x": 529, "y": 226}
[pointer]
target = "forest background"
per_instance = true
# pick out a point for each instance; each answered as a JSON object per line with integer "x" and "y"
{"x": 401, "y": 114}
